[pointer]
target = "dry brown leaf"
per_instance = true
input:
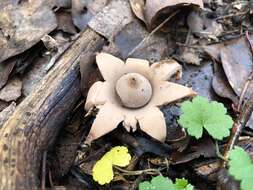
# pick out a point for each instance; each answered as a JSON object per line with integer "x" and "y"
{"x": 3, "y": 105}
{"x": 5, "y": 71}
{"x": 204, "y": 27}
{"x": 65, "y": 23}
{"x": 131, "y": 40}
{"x": 23, "y": 26}
{"x": 115, "y": 104}
{"x": 205, "y": 147}
{"x": 200, "y": 79}
{"x": 190, "y": 56}
{"x": 83, "y": 11}
{"x": 12, "y": 90}
{"x": 138, "y": 9}
{"x": 80, "y": 14}
{"x": 107, "y": 21}
{"x": 236, "y": 59}
{"x": 221, "y": 86}
{"x": 236, "y": 73}
{"x": 153, "y": 12}
{"x": 155, "y": 9}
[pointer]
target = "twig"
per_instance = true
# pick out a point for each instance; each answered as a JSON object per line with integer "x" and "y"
{"x": 248, "y": 39}
{"x": 245, "y": 88}
{"x": 245, "y": 113}
{"x": 189, "y": 46}
{"x": 154, "y": 31}
{"x": 218, "y": 152}
{"x": 232, "y": 15}
{"x": 50, "y": 179}
{"x": 139, "y": 172}
{"x": 238, "y": 126}
{"x": 136, "y": 182}
{"x": 43, "y": 173}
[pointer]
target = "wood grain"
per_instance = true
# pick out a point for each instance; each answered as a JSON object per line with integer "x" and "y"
{"x": 37, "y": 120}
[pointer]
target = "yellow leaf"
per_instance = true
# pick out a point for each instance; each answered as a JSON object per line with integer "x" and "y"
{"x": 102, "y": 171}
{"x": 119, "y": 156}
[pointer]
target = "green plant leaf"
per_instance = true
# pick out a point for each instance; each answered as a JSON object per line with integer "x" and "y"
{"x": 157, "y": 183}
{"x": 163, "y": 183}
{"x": 200, "y": 113}
{"x": 182, "y": 184}
{"x": 241, "y": 167}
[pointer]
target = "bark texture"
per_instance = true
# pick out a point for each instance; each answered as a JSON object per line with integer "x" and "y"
{"x": 37, "y": 120}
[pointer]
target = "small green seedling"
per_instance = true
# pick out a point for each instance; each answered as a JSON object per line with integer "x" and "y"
{"x": 164, "y": 183}
{"x": 241, "y": 167}
{"x": 201, "y": 114}
{"x": 183, "y": 184}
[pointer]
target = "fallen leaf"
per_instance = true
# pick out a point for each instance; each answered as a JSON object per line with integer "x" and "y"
{"x": 26, "y": 59}
{"x": 249, "y": 124}
{"x": 236, "y": 73}
{"x": 83, "y": 10}
{"x": 5, "y": 71}
{"x": 102, "y": 171}
{"x": 225, "y": 181}
{"x": 190, "y": 56}
{"x": 195, "y": 22}
{"x": 11, "y": 91}
{"x": 236, "y": 59}
{"x": 156, "y": 11}
{"x": 175, "y": 133}
{"x": 138, "y": 9}
{"x": 65, "y": 23}
{"x": 141, "y": 145}
{"x": 107, "y": 21}
{"x": 204, "y": 147}
{"x": 119, "y": 156}
{"x": 207, "y": 169}
{"x": 80, "y": 14}
{"x": 50, "y": 43}
{"x": 200, "y": 79}
{"x": 3, "y": 105}
{"x": 154, "y": 49}
{"x": 221, "y": 86}
{"x": 23, "y": 26}
{"x": 204, "y": 27}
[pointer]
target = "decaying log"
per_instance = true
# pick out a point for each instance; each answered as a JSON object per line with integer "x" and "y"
{"x": 34, "y": 125}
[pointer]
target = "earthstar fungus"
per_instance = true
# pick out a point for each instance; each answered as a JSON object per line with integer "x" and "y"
{"x": 132, "y": 93}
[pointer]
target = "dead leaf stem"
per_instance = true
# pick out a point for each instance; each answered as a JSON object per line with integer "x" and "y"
{"x": 245, "y": 88}
{"x": 44, "y": 165}
{"x": 153, "y": 31}
{"x": 150, "y": 171}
